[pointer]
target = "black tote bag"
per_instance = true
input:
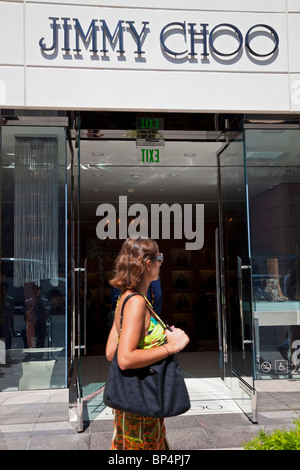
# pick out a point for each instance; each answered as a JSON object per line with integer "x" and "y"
{"x": 157, "y": 391}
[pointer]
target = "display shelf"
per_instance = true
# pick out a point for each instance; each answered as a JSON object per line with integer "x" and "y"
{"x": 277, "y": 317}
{"x": 264, "y": 306}
{"x": 192, "y": 283}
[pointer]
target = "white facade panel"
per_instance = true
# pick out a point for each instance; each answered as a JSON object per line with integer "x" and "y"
{"x": 155, "y": 79}
{"x": 11, "y": 34}
{"x": 138, "y": 90}
{"x": 216, "y": 5}
{"x": 294, "y": 41}
{"x": 293, "y": 5}
{"x": 178, "y": 39}
{"x": 12, "y": 86}
{"x": 295, "y": 92}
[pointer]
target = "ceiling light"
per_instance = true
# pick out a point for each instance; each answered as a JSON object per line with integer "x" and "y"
{"x": 189, "y": 154}
{"x": 265, "y": 155}
{"x": 130, "y": 190}
{"x": 135, "y": 176}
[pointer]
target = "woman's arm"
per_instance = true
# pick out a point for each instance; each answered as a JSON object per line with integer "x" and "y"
{"x": 112, "y": 342}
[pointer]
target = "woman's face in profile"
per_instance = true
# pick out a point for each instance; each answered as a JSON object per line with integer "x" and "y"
{"x": 156, "y": 263}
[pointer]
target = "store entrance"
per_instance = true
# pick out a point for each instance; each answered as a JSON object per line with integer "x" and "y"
{"x": 151, "y": 175}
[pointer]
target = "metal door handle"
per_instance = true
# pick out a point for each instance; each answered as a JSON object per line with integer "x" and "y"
{"x": 242, "y": 267}
{"x": 84, "y": 270}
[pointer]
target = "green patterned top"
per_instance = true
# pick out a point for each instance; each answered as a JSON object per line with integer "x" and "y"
{"x": 156, "y": 336}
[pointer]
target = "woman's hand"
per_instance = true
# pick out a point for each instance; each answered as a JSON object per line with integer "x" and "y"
{"x": 177, "y": 340}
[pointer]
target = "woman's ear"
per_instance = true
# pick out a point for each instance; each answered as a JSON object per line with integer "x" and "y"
{"x": 148, "y": 264}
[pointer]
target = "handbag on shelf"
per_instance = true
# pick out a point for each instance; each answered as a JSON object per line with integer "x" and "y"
{"x": 182, "y": 282}
{"x": 182, "y": 302}
{"x": 156, "y": 391}
{"x": 181, "y": 260}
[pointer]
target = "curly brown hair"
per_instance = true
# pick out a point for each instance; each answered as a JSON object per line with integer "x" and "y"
{"x": 131, "y": 262}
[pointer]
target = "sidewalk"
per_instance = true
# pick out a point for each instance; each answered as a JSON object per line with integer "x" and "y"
{"x": 40, "y": 421}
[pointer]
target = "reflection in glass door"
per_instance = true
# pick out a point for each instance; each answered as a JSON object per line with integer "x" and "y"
{"x": 236, "y": 276}
{"x": 33, "y": 258}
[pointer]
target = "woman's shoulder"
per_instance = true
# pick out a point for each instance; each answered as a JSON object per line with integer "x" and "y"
{"x": 132, "y": 296}
{"x": 136, "y": 305}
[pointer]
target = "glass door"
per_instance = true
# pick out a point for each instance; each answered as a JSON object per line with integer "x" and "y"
{"x": 117, "y": 178}
{"x": 235, "y": 274}
{"x": 273, "y": 169}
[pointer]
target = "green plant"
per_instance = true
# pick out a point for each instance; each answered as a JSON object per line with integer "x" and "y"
{"x": 277, "y": 440}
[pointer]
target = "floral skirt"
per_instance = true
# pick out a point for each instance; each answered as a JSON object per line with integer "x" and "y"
{"x": 132, "y": 432}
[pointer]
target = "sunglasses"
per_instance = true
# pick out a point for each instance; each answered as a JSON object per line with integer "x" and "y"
{"x": 159, "y": 257}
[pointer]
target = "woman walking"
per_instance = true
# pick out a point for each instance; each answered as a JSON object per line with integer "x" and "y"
{"x": 141, "y": 340}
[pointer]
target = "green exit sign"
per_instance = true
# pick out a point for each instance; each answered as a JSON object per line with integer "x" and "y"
{"x": 149, "y": 123}
{"x": 150, "y": 155}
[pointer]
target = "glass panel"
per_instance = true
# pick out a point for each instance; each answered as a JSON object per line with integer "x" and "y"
{"x": 33, "y": 266}
{"x": 273, "y": 162}
{"x": 236, "y": 279}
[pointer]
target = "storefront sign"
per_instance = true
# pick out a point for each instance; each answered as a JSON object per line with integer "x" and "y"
{"x": 68, "y": 35}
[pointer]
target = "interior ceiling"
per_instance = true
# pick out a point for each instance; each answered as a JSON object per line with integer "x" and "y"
{"x": 186, "y": 173}
{"x": 113, "y": 167}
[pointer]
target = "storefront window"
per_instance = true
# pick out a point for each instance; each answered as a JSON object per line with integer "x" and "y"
{"x": 273, "y": 163}
{"x": 33, "y": 266}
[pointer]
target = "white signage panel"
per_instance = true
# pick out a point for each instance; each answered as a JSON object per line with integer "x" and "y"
{"x": 154, "y": 57}
{"x": 106, "y": 38}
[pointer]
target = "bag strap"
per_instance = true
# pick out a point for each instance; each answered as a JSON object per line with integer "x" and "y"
{"x": 125, "y": 300}
{"x": 154, "y": 314}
